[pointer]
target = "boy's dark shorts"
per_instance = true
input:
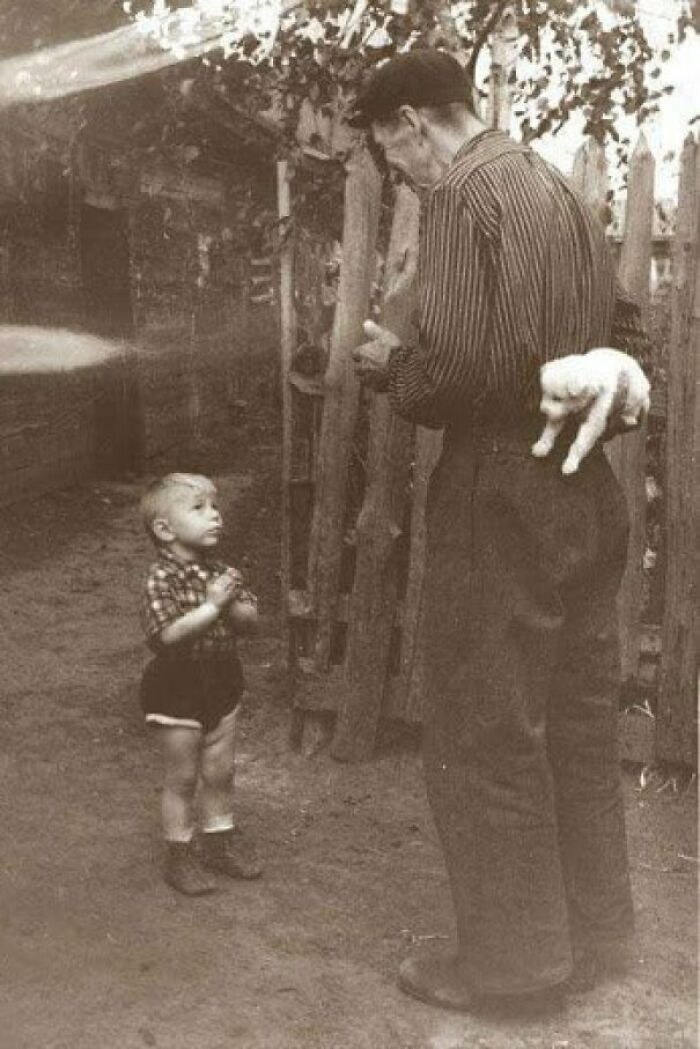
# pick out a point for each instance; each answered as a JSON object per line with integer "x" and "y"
{"x": 188, "y": 692}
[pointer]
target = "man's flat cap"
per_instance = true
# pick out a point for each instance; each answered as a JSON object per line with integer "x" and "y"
{"x": 419, "y": 78}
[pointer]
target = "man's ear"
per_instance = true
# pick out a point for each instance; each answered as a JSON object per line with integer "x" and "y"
{"x": 410, "y": 116}
{"x": 162, "y": 530}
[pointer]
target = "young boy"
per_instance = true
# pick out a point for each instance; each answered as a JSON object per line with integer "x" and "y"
{"x": 193, "y": 610}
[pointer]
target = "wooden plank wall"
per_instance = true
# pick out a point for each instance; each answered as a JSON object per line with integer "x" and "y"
{"x": 204, "y": 349}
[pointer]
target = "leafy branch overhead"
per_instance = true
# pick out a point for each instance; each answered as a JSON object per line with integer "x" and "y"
{"x": 586, "y": 57}
{"x": 265, "y": 60}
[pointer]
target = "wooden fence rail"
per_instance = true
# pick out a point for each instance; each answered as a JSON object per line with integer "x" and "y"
{"x": 379, "y": 616}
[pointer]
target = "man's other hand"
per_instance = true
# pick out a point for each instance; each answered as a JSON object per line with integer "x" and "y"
{"x": 606, "y": 388}
{"x": 372, "y": 358}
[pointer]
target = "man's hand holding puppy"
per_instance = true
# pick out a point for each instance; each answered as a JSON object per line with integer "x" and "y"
{"x": 605, "y": 388}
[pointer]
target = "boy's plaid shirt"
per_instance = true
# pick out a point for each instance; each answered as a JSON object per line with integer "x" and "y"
{"x": 174, "y": 588}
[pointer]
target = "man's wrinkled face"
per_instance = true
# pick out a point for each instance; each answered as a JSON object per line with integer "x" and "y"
{"x": 405, "y": 148}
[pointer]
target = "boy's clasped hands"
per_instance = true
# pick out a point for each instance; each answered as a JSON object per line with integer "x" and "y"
{"x": 227, "y": 589}
{"x": 221, "y": 590}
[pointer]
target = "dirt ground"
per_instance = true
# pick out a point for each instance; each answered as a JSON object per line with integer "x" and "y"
{"x": 97, "y": 953}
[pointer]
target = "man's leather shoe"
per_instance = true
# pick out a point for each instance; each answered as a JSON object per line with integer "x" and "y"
{"x": 593, "y": 965}
{"x": 437, "y": 980}
{"x": 441, "y": 980}
{"x": 585, "y": 976}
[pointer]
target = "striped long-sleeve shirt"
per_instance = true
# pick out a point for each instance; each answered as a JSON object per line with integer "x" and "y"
{"x": 513, "y": 271}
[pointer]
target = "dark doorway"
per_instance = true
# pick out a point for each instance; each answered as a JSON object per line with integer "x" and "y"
{"x": 104, "y": 245}
{"x": 105, "y": 264}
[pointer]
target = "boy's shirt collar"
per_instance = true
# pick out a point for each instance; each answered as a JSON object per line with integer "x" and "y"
{"x": 194, "y": 567}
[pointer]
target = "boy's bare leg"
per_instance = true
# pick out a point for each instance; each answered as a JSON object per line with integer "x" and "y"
{"x": 181, "y": 750}
{"x": 226, "y": 849}
{"x": 217, "y": 771}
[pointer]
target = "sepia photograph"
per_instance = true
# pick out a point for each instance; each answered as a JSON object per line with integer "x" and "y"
{"x": 349, "y": 524}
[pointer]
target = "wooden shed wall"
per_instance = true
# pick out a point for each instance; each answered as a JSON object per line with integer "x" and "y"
{"x": 202, "y": 349}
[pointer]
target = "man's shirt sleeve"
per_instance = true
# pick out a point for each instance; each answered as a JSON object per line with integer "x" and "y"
{"x": 431, "y": 381}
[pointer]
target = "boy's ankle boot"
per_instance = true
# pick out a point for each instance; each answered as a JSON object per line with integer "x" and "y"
{"x": 183, "y": 871}
{"x": 230, "y": 852}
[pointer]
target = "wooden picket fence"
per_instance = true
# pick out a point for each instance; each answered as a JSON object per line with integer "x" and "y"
{"x": 353, "y": 580}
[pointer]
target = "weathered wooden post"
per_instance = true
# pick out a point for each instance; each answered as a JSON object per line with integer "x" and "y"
{"x": 676, "y": 727}
{"x": 503, "y": 50}
{"x": 287, "y": 342}
{"x": 408, "y": 700}
{"x": 590, "y": 176}
{"x": 627, "y": 454}
{"x": 380, "y": 522}
{"x": 358, "y": 269}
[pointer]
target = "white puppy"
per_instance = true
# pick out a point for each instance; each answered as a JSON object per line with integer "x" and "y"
{"x": 597, "y": 384}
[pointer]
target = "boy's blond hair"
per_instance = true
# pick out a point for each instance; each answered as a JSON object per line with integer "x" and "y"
{"x": 159, "y": 494}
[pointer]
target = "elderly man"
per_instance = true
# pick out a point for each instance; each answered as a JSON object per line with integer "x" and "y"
{"x": 524, "y": 559}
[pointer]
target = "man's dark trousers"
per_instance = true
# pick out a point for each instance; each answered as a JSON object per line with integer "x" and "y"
{"x": 520, "y": 721}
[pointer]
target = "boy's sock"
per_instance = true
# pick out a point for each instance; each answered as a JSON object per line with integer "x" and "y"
{"x": 214, "y": 824}
{"x": 229, "y": 851}
{"x": 184, "y": 872}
